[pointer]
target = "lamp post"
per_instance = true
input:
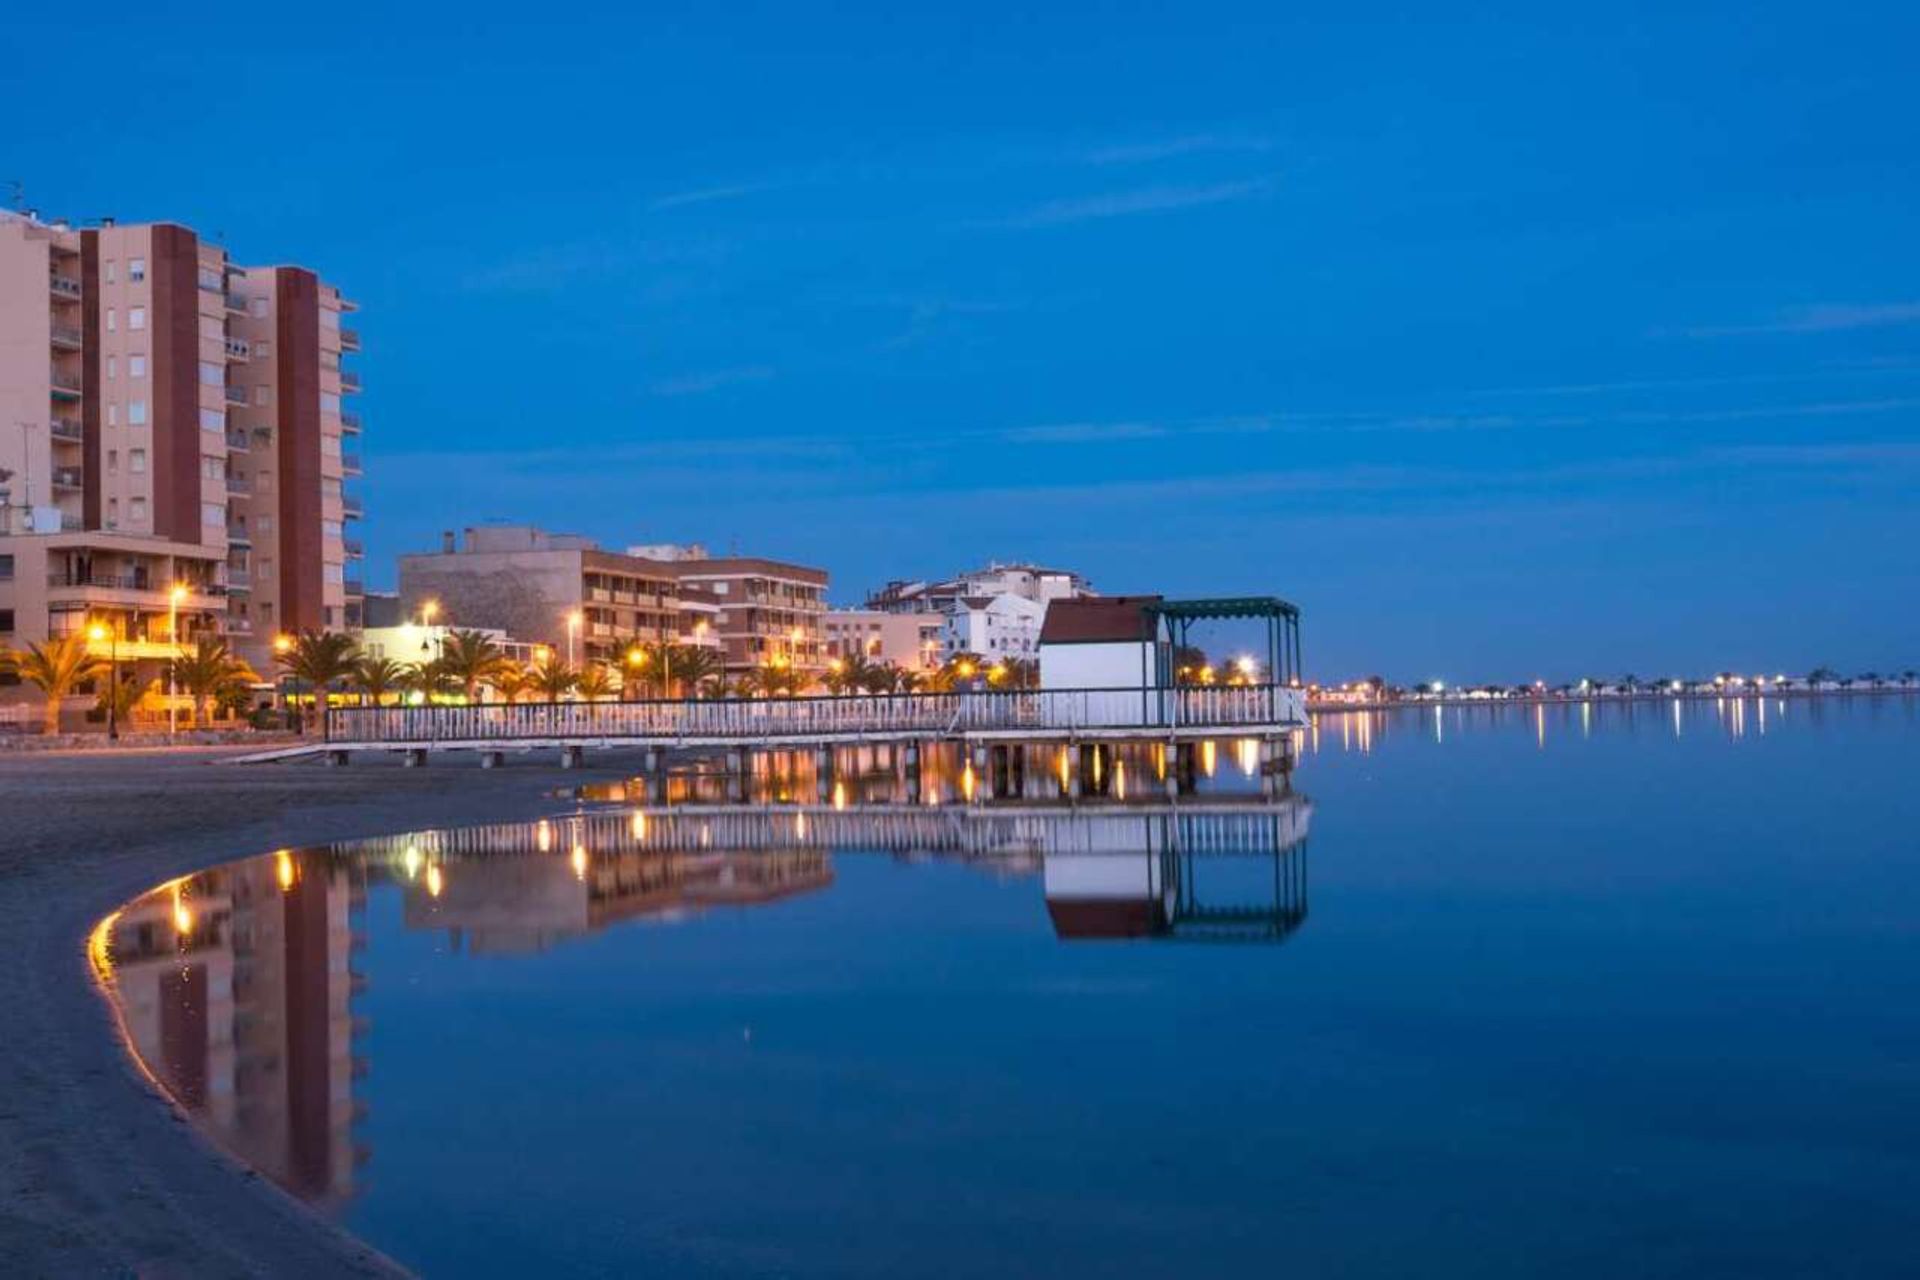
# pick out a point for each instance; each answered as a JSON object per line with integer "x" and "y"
{"x": 636, "y": 659}
{"x": 574, "y": 620}
{"x": 174, "y": 598}
{"x": 111, "y": 635}
{"x": 283, "y": 644}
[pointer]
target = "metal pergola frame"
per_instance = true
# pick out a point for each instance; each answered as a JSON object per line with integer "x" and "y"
{"x": 1173, "y": 619}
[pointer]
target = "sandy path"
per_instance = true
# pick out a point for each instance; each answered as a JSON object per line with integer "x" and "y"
{"x": 97, "y": 1177}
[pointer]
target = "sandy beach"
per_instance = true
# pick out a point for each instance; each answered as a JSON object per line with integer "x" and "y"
{"x": 98, "y": 1173}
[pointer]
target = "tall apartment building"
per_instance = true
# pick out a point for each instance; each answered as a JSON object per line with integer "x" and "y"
{"x": 152, "y": 392}
{"x": 554, "y": 589}
{"x": 769, "y": 610}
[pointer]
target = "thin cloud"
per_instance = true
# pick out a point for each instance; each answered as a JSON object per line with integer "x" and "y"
{"x": 1084, "y": 433}
{"x": 704, "y": 195}
{"x": 699, "y": 384}
{"x": 1167, "y": 149}
{"x": 1124, "y": 204}
{"x": 1824, "y": 317}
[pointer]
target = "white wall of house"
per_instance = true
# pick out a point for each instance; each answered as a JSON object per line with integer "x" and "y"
{"x": 1117, "y": 665}
{"x": 1005, "y": 627}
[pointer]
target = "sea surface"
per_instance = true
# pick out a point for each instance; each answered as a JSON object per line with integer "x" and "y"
{"x": 1585, "y": 990}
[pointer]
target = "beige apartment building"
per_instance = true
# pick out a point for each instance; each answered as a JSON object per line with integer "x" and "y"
{"x": 910, "y": 641}
{"x": 555, "y": 589}
{"x": 768, "y": 611}
{"x": 170, "y": 442}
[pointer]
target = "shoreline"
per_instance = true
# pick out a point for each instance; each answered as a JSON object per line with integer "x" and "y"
{"x": 99, "y": 1171}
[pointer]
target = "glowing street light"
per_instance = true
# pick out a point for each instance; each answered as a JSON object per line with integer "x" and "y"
{"x": 174, "y": 598}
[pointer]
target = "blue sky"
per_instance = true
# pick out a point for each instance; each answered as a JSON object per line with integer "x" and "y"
{"x": 1506, "y": 345}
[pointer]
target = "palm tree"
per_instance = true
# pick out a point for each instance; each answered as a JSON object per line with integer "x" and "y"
{"x": 511, "y": 683}
{"x": 207, "y": 672}
{"x": 55, "y": 667}
{"x": 378, "y": 677}
{"x": 471, "y": 658}
{"x": 595, "y": 682}
{"x": 320, "y": 660}
{"x": 118, "y": 699}
{"x": 696, "y": 667}
{"x": 428, "y": 679}
{"x": 553, "y": 677}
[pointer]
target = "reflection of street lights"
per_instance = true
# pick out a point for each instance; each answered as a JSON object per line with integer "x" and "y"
{"x": 97, "y": 633}
{"x": 178, "y": 594}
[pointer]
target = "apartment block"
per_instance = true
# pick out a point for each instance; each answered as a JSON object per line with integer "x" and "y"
{"x": 554, "y": 589}
{"x": 769, "y": 611}
{"x": 146, "y": 383}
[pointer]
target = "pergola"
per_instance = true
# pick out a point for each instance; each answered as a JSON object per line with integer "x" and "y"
{"x": 1172, "y": 619}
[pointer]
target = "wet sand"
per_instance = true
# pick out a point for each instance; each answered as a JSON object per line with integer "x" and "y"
{"x": 99, "y": 1175}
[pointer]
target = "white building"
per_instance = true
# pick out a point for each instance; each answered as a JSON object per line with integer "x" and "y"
{"x": 1105, "y": 643}
{"x": 995, "y": 627}
{"x": 1031, "y": 582}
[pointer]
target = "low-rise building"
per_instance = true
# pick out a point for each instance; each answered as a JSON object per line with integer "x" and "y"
{"x": 1031, "y": 582}
{"x": 995, "y": 627}
{"x": 767, "y": 612}
{"x": 910, "y": 641}
{"x": 554, "y": 589}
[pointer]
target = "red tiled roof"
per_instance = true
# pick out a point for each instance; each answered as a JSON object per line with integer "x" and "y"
{"x": 1101, "y": 619}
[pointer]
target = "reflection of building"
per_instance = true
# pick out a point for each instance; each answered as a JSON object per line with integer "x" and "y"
{"x": 235, "y": 987}
{"x": 1232, "y": 876}
{"x": 508, "y": 903}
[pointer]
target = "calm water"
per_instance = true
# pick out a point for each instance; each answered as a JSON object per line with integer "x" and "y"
{"x": 1594, "y": 992}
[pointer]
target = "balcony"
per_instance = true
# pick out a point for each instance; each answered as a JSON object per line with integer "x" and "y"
{"x": 236, "y": 395}
{"x": 351, "y": 509}
{"x": 355, "y": 587}
{"x": 65, "y": 383}
{"x": 240, "y": 484}
{"x": 349, "y": 381}
{"x": 66, "y": 429}
{"x": 350, "y": 465}
{"x": 66, "y": 477}
{"x": 239, "y": 349}
{"x": 236, "y": 303}
{"x": 67, "y": 337}
{"x": 349, "y": 339}
{"x": 238, "y": 536}
{"x": 237, "y": 441}
{"x": 350, "y": 422}
{"x": 354, "y": 549}
{"x": 64, "y": 287}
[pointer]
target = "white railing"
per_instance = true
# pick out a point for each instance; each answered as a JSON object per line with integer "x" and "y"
{"x": 813, "y": 718}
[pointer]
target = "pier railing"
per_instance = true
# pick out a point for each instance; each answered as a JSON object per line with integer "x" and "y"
{"x": 827, "y": 717}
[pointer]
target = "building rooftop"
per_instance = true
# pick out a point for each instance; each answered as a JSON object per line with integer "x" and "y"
{"x": 1100, "y": 620}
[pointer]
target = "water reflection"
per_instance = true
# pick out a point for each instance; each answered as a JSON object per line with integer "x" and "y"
{"x": 236, "y": 985}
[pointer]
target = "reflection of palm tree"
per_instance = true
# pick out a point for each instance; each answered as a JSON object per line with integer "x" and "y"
{"x": 55, "y": 668}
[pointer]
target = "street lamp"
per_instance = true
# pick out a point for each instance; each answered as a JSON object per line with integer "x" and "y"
{"x": 574, "y": 620}
{"x": 97, "y": 633}
{"x": 283, "y": 645}
{"x": 636, "y": 659}
{"x": 174, "y": 598}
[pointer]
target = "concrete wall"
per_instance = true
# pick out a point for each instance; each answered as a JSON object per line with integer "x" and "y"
{"x": 1096, "y": 666}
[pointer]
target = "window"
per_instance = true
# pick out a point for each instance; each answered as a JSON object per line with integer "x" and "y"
{"x": 110, "y": 275}
{"x": 257, "y": 308}
{"x": 113, "y": 512}
{"x": 213, "y": 420}
{"x": 329, "y": 318}
{"x": 334, "y": 574}
{"x": 113, "y": 461}
{"x": 136, "y": 366}
{"x": 212, "y": 468}
{"x": 262, "y": 394}
{"x": 136, "y": 413}
{"x": 6, "y": 575}
{"x": 136, "y": 318}
{"x": 212, "y": 375}
{"x": 265, "y": 525}
{"x": 331, "y": 529}
{"x": 265, "y": 481}
{"x": 113, "y": 413}
{"x": 112, "y": 320}
{"x": 262, "y": 349}
{"x": 329, "y": 402}
{"x": 136, "y": 270}
{"x": 137, "y": 510}
{"x": 213, "y": 515}
{"x": 113, "y": 366}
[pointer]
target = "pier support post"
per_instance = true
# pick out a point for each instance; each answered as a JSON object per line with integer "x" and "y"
{"x": 650, "y": 760}
{"x": 336, "y": 759}
{"x": 1076, "y": 771}
{"x": 414, "y": 757}
{"x": 572, "y": 757}
{"x": 492, "y": 759}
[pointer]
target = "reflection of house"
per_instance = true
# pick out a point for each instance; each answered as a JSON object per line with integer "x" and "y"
{"x": 508, "y": 903}
{"x": 236, "y": 987}
{"x": 1237, "y": 876}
